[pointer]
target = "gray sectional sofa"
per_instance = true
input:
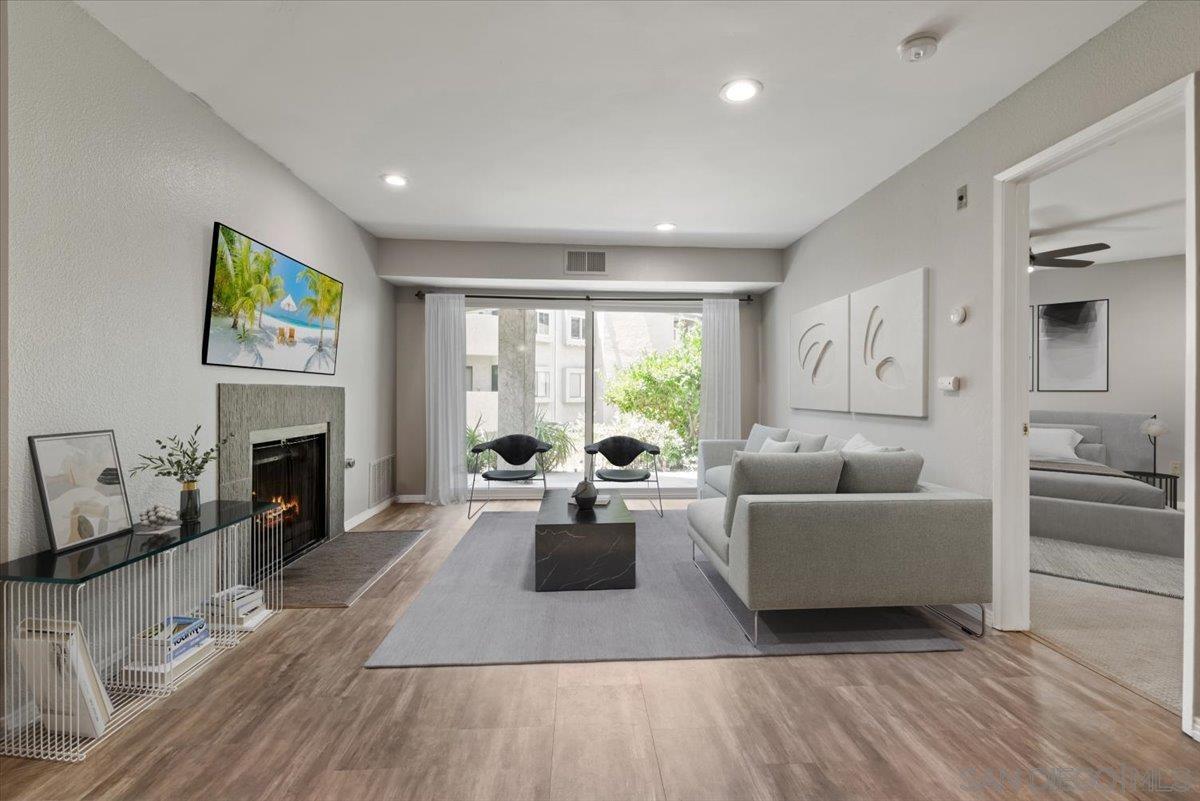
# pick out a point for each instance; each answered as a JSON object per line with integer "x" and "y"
{"x": 824, "y": 528}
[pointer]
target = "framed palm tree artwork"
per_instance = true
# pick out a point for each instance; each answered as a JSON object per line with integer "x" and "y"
{"x": 268, "y": 311}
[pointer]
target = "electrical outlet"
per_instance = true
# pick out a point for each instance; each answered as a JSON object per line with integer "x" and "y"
{"x": 1176, "y": 468}
{"x": 961, "y": 197}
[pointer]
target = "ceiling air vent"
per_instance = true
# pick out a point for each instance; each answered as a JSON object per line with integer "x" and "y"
{"x": 585, "y": 262}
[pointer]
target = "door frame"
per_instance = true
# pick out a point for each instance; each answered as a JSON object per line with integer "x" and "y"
{"x": 1010, "y": 323}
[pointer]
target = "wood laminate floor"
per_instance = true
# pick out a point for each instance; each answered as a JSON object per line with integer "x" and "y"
{"x": 291, "y": 714}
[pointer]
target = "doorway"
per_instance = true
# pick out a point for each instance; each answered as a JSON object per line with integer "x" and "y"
{"x": 1013, "y": 324}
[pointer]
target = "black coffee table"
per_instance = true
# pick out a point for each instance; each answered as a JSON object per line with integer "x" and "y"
{"x": 576, "y": 550}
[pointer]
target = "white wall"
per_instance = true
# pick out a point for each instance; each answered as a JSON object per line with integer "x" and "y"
{"x": 1146, "y": 315}
{"x": 117, "y": 176}
{"x": 910, "y": 221}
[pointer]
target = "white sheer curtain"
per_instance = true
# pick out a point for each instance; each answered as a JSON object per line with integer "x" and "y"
{"x": 445, "y": 398}
{"x": 721, "y": 371}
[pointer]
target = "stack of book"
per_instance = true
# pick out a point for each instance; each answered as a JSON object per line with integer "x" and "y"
{"x": 58, "y": 666}
{"x": 170, "y": 646}
{"x": 238, "y": 607}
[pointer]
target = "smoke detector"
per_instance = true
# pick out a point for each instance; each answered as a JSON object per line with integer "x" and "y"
{"x": 918, "y": 48}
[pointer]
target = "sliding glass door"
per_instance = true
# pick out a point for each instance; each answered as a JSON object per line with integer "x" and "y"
{"x": 647, "y": 385}
{"x": 570, "y": 376}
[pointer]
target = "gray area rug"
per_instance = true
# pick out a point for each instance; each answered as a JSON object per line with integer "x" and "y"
{"x": 1112, "y": 567}
{"x": 337, "y": 573}
{"x": 480, "y": 608}
{"x": 1133, "y": 637}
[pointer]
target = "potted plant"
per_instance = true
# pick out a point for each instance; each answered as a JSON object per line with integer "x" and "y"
{"x": 183, "y": 461}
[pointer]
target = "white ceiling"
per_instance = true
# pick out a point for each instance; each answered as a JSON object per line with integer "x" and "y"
{"x": 591, "y": 122}
{"x": 1129, "y": 194}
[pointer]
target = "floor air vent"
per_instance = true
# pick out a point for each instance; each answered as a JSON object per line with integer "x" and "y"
{"x": 585, "y": 262}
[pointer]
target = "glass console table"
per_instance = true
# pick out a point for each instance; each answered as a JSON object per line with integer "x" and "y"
{"x": 95, "y": 635}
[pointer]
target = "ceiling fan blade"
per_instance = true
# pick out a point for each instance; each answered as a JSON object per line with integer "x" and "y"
{"x": 1041, "y": 261}
{"x": 1073, "y": 251}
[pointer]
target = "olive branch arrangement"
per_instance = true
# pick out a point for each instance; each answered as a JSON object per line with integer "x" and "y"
{"x": 182, "y": 459}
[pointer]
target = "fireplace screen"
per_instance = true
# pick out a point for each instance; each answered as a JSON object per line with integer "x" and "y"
{"x": 292, "y": 474}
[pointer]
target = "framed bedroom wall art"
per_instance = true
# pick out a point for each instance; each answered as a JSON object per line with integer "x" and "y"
{"x": 1072, "y": 346}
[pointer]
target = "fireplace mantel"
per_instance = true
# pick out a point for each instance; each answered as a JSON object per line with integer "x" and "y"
{"x": 246, "y": 412}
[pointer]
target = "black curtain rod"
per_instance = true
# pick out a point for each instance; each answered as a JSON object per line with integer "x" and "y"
{"x": 587, "y": 298}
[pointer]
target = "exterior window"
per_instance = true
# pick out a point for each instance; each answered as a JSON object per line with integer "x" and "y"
{"x": 495, "y": 378}
{"x": 541, "y": 389}
{"x": 543, "y": 326}
{"x": 470, "y": 378}
{"x": 574, "y": 333}
{"x": 574, "y": 385}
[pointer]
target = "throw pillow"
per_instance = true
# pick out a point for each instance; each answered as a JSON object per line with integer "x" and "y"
{"x": 1054, "y": 444}
{"x": 760, "y": 434}
{"x": 833, "y": 443}
{"x": 866, "y": 471}
{"x": 780, "y": 474}
{"x": 775, "y": 446}
{"x": 860, "y": 444}
{"x": 809, "y": 443}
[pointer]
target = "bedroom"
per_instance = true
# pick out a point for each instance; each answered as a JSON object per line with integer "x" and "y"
{"x": 1106, "y": 381}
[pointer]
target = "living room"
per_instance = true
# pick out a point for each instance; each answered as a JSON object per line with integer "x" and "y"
{"x": 557, "y": 400}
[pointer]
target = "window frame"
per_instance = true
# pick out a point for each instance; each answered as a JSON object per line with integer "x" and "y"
{"x": 568, "y": 374}
{"x": 548, "y": 395}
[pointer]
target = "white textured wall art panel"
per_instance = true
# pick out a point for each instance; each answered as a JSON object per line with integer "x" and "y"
{"x": 818, "y": 355}
{"x": 888, "y": 346}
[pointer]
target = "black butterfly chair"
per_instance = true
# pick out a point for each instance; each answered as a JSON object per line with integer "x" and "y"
{"x": 514, "y": 449}
{"x": 620, "y": 451}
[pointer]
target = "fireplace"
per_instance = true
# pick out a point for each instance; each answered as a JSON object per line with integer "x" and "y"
{"x": 291, "y": 472}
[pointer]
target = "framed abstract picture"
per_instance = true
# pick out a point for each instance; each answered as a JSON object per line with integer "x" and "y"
{"x": 82, "y": 487}
{"x": 1072, "y": 346}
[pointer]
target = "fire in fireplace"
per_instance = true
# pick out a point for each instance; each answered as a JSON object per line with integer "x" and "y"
{"x": 291, "y": 473}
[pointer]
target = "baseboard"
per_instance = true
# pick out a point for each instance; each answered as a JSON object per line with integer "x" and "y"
{"x": 409, "y": 499}
{"x": 366, "y": 515}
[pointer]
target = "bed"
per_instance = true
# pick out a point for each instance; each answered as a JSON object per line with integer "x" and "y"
{"x": 1090, "y": 499}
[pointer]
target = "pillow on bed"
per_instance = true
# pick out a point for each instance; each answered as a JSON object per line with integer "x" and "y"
{"x": 1053, "y": 444}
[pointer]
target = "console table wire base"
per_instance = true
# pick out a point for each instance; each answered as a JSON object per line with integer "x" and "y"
{"x": 61, "y": 625}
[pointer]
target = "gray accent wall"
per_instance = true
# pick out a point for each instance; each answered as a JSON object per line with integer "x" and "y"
{"x": 116, "y": 177}
{"x": 1146, "y": 312}
{"x": 910, "y": 221}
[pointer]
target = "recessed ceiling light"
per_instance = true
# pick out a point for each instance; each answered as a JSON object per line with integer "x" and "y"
{"x": 665, "y": 227}
{"x": 741, "y": 90}
{"x": 395, "y": 179}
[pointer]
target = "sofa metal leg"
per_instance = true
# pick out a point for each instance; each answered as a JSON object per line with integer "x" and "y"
{"x": 982, "y": 620}
{"x": 750, "y": 632}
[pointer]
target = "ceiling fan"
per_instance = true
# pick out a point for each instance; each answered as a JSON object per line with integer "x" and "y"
{"x": 1054, "y": 258}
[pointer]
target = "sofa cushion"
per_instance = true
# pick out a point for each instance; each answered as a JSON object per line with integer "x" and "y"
{"x": 718, "y": 478}
{"x": 705, "y": 518}
{"x": 897, "y": 471}
{"x": 776, "y": 446}
{"x": 760, "y": 434}
{"x": 780, "y": 474}
{"x": 809, "y": 443}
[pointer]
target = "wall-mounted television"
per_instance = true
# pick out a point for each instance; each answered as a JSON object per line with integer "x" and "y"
{"x": 268, "y": 311}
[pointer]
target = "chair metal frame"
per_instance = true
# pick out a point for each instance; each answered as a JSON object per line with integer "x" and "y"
{"x": 483, "y": 448}
{"x": 653, "y": 451}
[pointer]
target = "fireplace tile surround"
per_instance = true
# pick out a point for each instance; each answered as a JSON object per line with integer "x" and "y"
{"x": 254, "y": 412}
